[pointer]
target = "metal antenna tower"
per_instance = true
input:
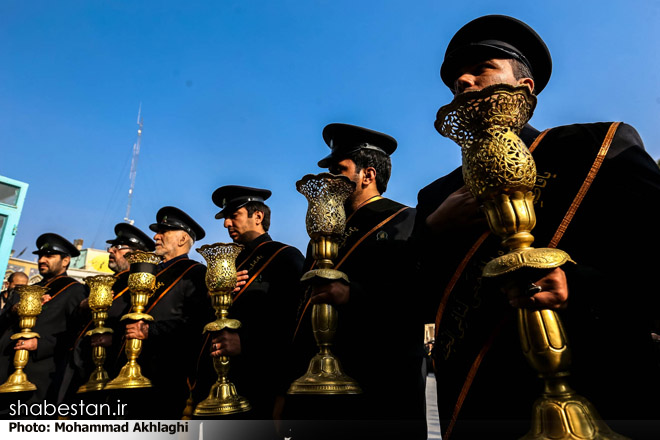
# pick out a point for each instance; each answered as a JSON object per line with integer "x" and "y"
{"x": 134, "y": 161}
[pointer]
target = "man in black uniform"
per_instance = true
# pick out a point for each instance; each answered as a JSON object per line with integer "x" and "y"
{"x": 128, "y": 238}
{"x": 179, "y": 305}
{"x": 484, "y": 384}
{"x": 265, "y": 304}
{"x": 379, "y": 340}
{"x": 13, "y": 280}
{"x": 55, "y": 324}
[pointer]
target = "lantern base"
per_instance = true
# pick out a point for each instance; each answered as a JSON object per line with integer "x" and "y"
{"x": 222, "y": 400}
{"x": 568, "y": 417}
{"x": 96, "y": 382}
{"x": 130, "y": 376}
{"x": 324, "y": 376}
{"x": 17, "y": 383}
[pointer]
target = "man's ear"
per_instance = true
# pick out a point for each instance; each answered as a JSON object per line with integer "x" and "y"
{"x": 183, "y": 238}
{"x": 258, "y": 217}
{"x": 66, "y": 260}
{"x": 369, "y": 175}
{"x": 529, "y": 82}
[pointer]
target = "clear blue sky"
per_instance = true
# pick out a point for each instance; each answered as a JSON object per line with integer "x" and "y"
{"x": 238, "y": 92}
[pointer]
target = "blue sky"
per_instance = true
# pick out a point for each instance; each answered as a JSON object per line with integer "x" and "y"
{"x": 238, "y": 92}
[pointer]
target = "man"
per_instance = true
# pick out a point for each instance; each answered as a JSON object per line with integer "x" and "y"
{"x": 484, "y": 384}
{"x": 265, "y": 304}
{"x": 55, "y": 324}
{"x": 178, "y": 306}
{"x": 128, "y": 238}
{"x": 15, "y": 279}
{"x": 379, "y": 340}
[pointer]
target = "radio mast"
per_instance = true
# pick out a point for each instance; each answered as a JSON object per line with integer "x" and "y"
{"x": 134, "y": 161}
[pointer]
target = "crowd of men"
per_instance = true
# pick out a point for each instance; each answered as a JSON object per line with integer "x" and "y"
{"x": 406, "y": 267}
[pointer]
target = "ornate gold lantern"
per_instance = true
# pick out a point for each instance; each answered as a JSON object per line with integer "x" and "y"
{"x": 500, "y": 172}
{"x": 100, "y": 300}
{"x": 142, "y": 285}
{"x": 221, "y": 281}
{"x": 325, "y": 221}
{"x": 29, "y": 308}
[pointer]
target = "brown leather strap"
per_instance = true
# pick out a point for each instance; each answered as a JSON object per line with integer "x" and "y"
{"x": 191, "y": 386}
{"x": 63, "y": 289}
{"x": 169, "y": 288}
{"x": 454, "y": 280}
{"x": 80, "y": 335}
{"x": 256, "y": 274}
{"x": 600, "y": 157}
{"x": 252, "y": 253}
{"x": 471, "y": 375}
{"x": 371, "y": 231}
{"x": 53, "y": 280}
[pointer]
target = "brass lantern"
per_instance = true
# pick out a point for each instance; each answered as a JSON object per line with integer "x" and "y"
{"x": 326, "y": 220}
{"x": 29, "y": 308}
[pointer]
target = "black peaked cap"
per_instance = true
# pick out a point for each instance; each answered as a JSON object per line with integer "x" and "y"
{"x": 130, "y": 235}
{"x": 345, "y": 139}
{"x": 497, "y": 36}
{"x": 229, "y": 198}
{"x": 173, "y": 218}
{"x": 50, "y": 243}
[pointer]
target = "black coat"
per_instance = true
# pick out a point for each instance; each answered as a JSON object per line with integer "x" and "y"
{"x": 379, "y": 339}
{"x": 179, "y": 307}
{"x": 266, "y": 309}
{"x": 612, "y": 305}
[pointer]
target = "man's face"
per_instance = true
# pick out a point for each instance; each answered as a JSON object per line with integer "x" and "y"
{"x": 240, "y": 226}
{"x": 347, "y": 168}
{"x": 168, "y": 243}
{"x": 52, "y": 265}
{"x": 485, "y": 73}
{"x": 17, "y": 281}
{"x": 116, "y": 261}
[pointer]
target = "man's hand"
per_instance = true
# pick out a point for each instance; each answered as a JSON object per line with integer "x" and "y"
{"x": 550, "y": 291}
{"x": 137, "y": 330}
{"x": 458, "y": 210}
{"x": 335, "y": 293}
{"x": 45, "y": 298}
{"x": 225, "y": 343}
{"x": 102, "y": 340}
{"x": 27, "y": 344}
{"x": 241, "y": 278}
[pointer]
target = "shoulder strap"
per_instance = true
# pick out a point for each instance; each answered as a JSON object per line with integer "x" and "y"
{"x": 170, "y": 286}
{"x": 256, "y": 274}
{"x": 600, "y": 157}
{"x": 364, "y": 237}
